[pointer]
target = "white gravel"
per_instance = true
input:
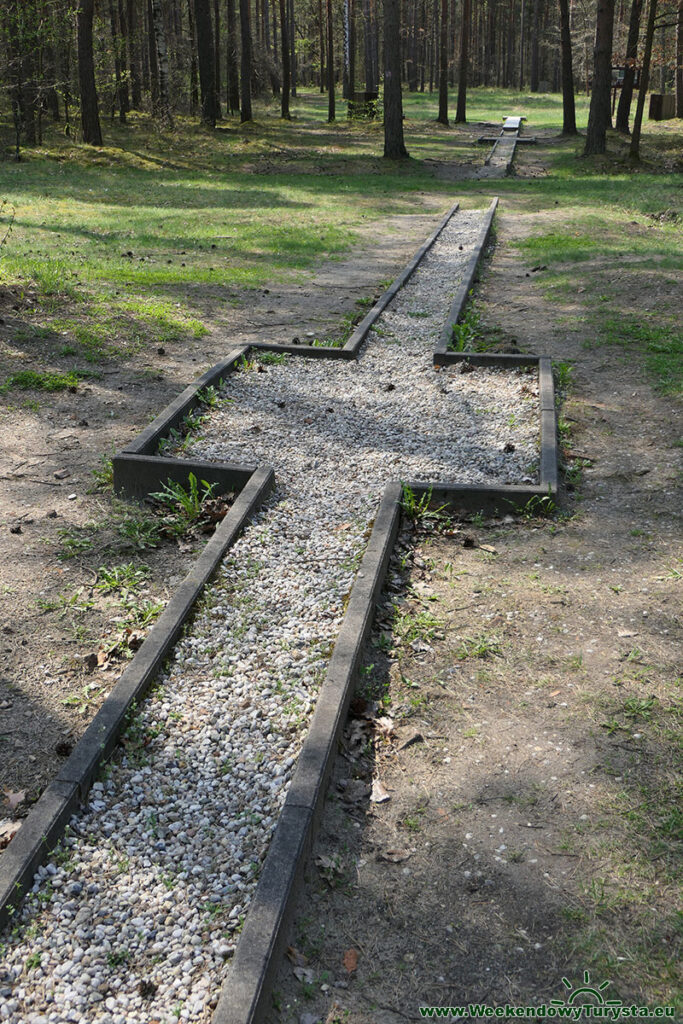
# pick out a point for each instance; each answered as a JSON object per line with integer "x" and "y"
{"x": 134, "y": 919}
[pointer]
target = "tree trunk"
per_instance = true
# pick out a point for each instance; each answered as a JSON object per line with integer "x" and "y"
{"x": 634, "y": 150}
{"x": 679, "y": 61}
{"x": 217, "y": 56}
{"x": 90, "y": 118}
{"x": 118, "y": 94}
{"x": 346, "y": 51}
{"x": 600, "y": 115}
{"x": 461, "y": 109}
{"x": 194, "y": 67}
{"x": 232, "y": 72}
{"x": 520, "y": 84}
{"x": 205, "y": 53}
{"x": 624, "y": 108}
{"x": 443, "y": 66}
{"x": 124, "y": 49}
{"x": 284, "y": 105}
{"x": 321, "y": 30}
{"x": 245, "y": 64}
{"x": 351, "y": 47}
{"x": 568, "y": 104}
{"x": 134, "y": 55}
{"x": 162, "y": 63}
{"x": 533, "y": 70}
{"x": 330, "y": 64}
{"x": 394, "y": 146}
{"x": 292, "y": 47}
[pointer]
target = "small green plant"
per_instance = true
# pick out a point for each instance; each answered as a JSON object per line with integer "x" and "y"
{"x": 538, "y": 506}
{"x": 272, "y": 358}
{"x": 129, "y": 576}
{"x": 33, "y": 961}
{"x": 118, "y": 957}
{"x": 84, "y": 700}
{"x": 65, "y": 603}
{"x": 481, "y": 646}
{"x": 418, "y": 509}
{"x": 186, "y": 506}
{"x": 103, "y": 474}
{"x": 210, "y": 395}
{"x": 74, "y": 542}
{"x": 563, "y": 373}
{"x": 139, "y": 531}
{"x": 419, "y": 627}
{"x": 467, "y": 331}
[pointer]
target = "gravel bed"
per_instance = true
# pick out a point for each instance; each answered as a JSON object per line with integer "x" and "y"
{"x": 135, "y": 917}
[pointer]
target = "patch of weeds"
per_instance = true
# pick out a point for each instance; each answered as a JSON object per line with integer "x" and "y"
{"x": 140, "y": 614}
{"x": 564, "y": 376}
{"x": 84, "y": 700}
{"x": 421, "y": 626}
{"x": 45, "y": 380}
{"x": 139, "y": 531}
{"x": 538, "y": 506}
{"x": 103, "y": 474}
{"x": 186, "y": 506}
{"x": 74, "y": 542}
{"x": 481, "y": 646}
{"x": 417, "y": 509}
{"x": 129, "y": 576}
{"x": 467, "y": 331}
{"x": 272, "y": 358}
{"x": 65, "y": 603}
{"x": 118, "y": 957}
{"x": 210, "y": 395}
{"x": 33, "y": 961}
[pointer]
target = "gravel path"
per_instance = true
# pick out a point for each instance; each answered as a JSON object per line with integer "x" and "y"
{"x": 135, "y": 917}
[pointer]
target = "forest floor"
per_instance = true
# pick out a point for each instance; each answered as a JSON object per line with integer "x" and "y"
{"x": 529, "y": 831}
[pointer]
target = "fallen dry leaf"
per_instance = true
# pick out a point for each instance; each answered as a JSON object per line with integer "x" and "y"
{"x": 489, "y": 547}
{"x": 296, "y": 956}
{"x": 350, "y": 960}
{"x": 385, "y": 727}
{"x": 8, "y": 829}
{"x": 14, "y": 799}
{"x": 379, "y": 794}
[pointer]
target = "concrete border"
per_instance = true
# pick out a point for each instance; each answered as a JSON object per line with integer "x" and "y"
{"x": 46, "y": 821}
{"x": 147, "y": 441}
{"x": 463, "y": 291}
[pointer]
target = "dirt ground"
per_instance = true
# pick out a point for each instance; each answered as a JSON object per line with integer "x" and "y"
{"x": 57, "y": 528}
{"x": 505, "y": 808}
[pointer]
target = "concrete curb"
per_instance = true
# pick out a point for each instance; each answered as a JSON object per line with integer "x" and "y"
{"x": 147, "y": 441}
{"x": 245, "y": 995}
{"x": 468, "y": 279}
{"x": 45, "y": 823}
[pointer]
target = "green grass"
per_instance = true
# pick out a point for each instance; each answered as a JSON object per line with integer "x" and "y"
{"x": 48, "y": 380}
{"x": 150, "y": 239}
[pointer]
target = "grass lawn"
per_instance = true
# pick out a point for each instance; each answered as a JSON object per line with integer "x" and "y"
{"x": 115, "y": 248}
